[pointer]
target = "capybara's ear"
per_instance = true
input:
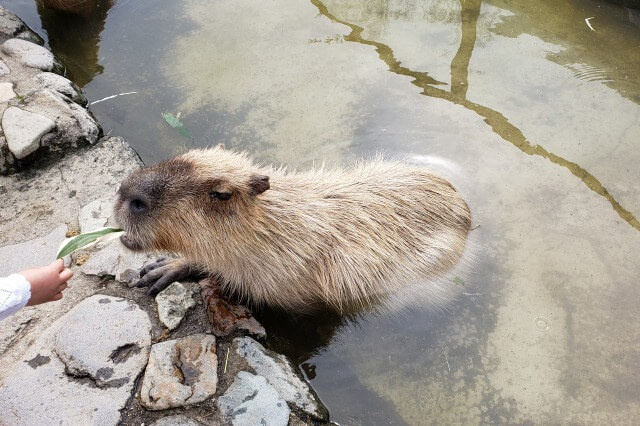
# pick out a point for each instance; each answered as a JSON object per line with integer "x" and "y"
{"x": 258, "y": 184}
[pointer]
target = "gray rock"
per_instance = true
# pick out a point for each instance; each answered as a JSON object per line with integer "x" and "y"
{"x": 278, "y": 370}
{"x": 32, "y": 253}
{"x": 6, "y": 90}
{"x": 82, "y": 369}
{"x": 173, "y": 303}
{"x": 117, "y": 261}
{"x": 11, "y": 25}
{"x": 180, "y": 372}
{"x": 4, "y": 69}
{"x": 30, "y": 54}
{"x": 87, "y": 349}
{"x": 61, "y": 85}
{"x": 251, "y": 400}
{"x": 74, "y": 124}
{"x": 23, "y": 130}
{"x": 95, "y": 215}
{"x": 178, "y": 420}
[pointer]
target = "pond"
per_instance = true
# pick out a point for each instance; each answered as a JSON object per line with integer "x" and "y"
{"x": 532, "y": 109}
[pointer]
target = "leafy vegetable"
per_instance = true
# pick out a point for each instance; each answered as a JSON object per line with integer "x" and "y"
{"x": 87, "y": 239}
{"x": 176, "y": 124}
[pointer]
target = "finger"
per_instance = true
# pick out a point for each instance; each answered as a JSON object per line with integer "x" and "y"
{"x": 163, "y": 261}
{"x": 162, "y": 283}
{"x": 66, "y": 275}
{"x": 56, "y": 296}
{"x": 62, "y": 287}
{"x": 58, "y": 265}
{"x": 152, "y": 276}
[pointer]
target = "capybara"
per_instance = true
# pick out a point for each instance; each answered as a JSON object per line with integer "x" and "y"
{"x": 289, "y": 239}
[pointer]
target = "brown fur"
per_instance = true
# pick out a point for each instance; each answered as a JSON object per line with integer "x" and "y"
{"x": 295, "y": 239}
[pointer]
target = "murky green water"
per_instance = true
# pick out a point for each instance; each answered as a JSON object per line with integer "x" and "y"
{"x": 532, "y": 114}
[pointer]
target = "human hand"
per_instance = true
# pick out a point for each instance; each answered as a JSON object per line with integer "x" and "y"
{"x": 47, "y": 282}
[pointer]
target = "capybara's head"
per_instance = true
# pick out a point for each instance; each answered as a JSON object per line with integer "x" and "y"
{"x": 169, "y": 206}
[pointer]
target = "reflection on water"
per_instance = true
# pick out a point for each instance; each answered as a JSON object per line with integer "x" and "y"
{"x": 533, "y": 115}
{"x": 74, "y": 35}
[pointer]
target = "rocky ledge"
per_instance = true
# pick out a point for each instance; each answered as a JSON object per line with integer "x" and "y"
{"x": 42, "y": 112}
{"x": 108, "y": 353}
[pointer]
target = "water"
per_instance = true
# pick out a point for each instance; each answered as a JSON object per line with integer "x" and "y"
{"x": 532, "y": 114}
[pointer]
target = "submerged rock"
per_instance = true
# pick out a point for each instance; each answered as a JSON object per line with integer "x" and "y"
{"x": 252, "y": 400}
{"x": 82, "y": 369}
{"x": 224, "y": 316}
{"x": 180, "y": 372}
{"x": 279, "y": 372}
{"x": 173, "y": 303}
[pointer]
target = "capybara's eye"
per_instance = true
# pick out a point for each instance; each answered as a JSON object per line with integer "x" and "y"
{"x": 224, "y": 196}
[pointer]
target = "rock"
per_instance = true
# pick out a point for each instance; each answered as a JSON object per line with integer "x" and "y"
{"x": 179, "y": 420}
{"x": 75, "y": 126}
{"x": 4, "y": 69}
{"x": 32, "y": 253}
{"x": 12, "y": 26}
{"x": 224, "y": 316}
{"x": 173, "y": 303}
{"x": 6, "y": 90}
{"x": 180, "y": 372}
{"x": 95, "y": 215}
{"x": 30, "y": 54}
{"x": 251, "y": 400}
{"x": 82, "y": 369}
{"x": 117, "y": 261}
{"x": 61, "y": 85}
{"x": 279, "y": 371}
{"x": 23, "y": 130}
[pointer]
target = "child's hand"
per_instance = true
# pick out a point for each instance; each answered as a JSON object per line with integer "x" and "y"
{"x": 47, "y": 282}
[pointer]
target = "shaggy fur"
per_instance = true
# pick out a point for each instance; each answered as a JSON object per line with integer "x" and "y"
{"x": 289, "y": 239}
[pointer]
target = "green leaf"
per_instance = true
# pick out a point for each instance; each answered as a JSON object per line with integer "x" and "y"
{"x": 78, "y": 242}
{"x": 176, "y": 124}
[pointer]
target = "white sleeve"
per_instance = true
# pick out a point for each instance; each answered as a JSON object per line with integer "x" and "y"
{"x": 15, "y": 292}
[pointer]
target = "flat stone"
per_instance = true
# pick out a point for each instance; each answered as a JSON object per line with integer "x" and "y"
{"x": 173, "y": 303}
{"x": 4, "y": 69}
{"x": 82, "y": 369}
{"x": 23, "y": 130}
{"x": 31, "y": 254}
{"x": 180, "y": 372}
{"x": 117, "y": 261}
{"x": 6, "y": 91}
{"x": 251, "y": 400}
{"x": 87, "y": 348}
{"x": 279, "y": 371}
{"x": 94, "y": 215}
{"x": 61, "y": 85}
{"x": 30, "y": 54}
{"x": 178, "y": 420}
{"x": 226, "y": 317}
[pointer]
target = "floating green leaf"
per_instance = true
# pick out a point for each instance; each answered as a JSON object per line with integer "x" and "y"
{"x": 176, "y": 124}
{"x": 87, "y": 239}
{"x": 458, "y": 281}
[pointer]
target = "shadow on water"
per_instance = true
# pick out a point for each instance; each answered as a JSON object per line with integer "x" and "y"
{"x": 470, "y": 10}
{"x": 74, "y": 34}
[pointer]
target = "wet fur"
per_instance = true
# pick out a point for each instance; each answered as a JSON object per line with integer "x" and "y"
{"x": 338, "y": 236}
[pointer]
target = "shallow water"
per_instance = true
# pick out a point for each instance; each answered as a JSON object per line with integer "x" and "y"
{"x": 533, "y": 115}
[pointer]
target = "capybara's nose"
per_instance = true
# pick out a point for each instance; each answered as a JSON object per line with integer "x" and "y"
{"x": 137, "y": 206}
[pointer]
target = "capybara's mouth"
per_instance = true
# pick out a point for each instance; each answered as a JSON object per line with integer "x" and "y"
{"x": 130, "y": 243}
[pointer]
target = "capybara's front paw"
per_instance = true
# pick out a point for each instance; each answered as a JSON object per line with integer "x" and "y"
{"x": 164, "y": 271}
